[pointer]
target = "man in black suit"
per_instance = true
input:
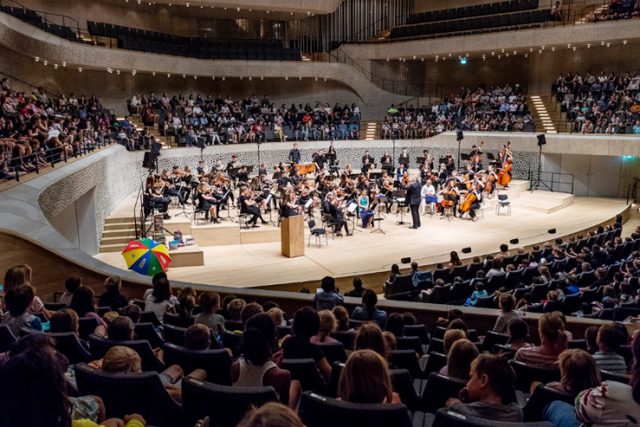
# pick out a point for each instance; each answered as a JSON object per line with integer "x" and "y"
{"x": 294, "y": 154}
{"x": 413, "y": 198}
{"x": 404, "y": 158}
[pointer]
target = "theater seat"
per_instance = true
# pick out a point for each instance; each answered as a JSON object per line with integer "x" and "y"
{"x": 526, "y": 374}
{"x": 68, "y": 344}
{"x": 321, "y": 411}
{"x": 334, "y": 352}
{"x": 542, "y": 396}
{"x": 217, "y": 363}
{"x": 305, "y": 371}
{"x": 439, "y": 388}
{"x": 6, "y": 338}
{"x": 225, "y": 405}
{"x": 447, "y": 418}
{"x": 99, "y": 347}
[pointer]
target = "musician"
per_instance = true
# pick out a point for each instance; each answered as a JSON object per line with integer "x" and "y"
{"x": 386, "y": 160}
{"x": 173, "y": 183}
{"x": 232, "y": 168}
{"x": 451, "y": 163}
{"x": 490, "y": 181}
{"x": 414, "y": 200}
{"x": 367, "y": 158}
{"x": 207, "y": 201}
{"x": 332, "y": 155}
{"x": 250, "y": 206}
{"x": 404, "y": 158}
{"x": 364, "y": 207}
{"x": 451, "y": 192}
{"x": 475, "y": 150}
{"x": 337, "y": 216}
{"x": 428, "y": 159}
{"x": 263, "y": 170}
{"x": 294, "y": 154}
{"x": 154, "y": 191}
{"x": 427, "y": 190}
{"x": 243, "y": 175}
{"x": 476, "y": 194}
{"x": 202, "y": 168}
{"x": 319, "y": 158}
{"x": 367, "y": 166}
{"x": 289, "y": 205}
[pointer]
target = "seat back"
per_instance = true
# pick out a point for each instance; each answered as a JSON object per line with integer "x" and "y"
{"x": 437, "y": 345}
{"x": 449, "y": 418}
{"x": 435, "y": 362}
{"x": 612, "y": 376}
{"x": 86, "y": 326}
{"x": 223, "y": 404}
{"x": 439, "y": 388}
{"x": 409, "y": 343}
{"x": 68, "y": 344}
{"x": 146, "y": 331}
{"x": 493, "y": 338}
{"x": 345, "y": 337}
{"x": 542, "y": 396}
{"x": 334, "y": 352}
{"x": 320, "y": 411}
{"x": 6, "y": 338}
{"x": 99, "y": 347}
{"x": 147, "y": 316}
{"x": 419, "y": 331}
{"x": 305, "y": 371}
{"x": 217, "y": 363}
{"x": 174, "y": 334}
{"x": 176, "y": 320}
{"x": 526, "y": 374}
{"x": 406, "y": 359}
{"x": 125, "y": 394}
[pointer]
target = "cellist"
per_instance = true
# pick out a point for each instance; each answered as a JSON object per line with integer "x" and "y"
{"x": 471, "y": 202}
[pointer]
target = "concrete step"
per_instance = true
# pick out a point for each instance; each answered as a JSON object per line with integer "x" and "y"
{"x": 130, "y": 233}
{"x": 122, "y": 241}
{"x": 119, "y": 220}
{"x": 119, "y": 227}
{"x": 111, "y": 248}
{"x": 544, "y": 201}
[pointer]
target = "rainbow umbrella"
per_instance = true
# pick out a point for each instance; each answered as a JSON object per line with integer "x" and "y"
{"x": 146, "y": 257}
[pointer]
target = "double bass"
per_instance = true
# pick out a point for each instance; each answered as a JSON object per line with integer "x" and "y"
{"x": 504, "y": 173}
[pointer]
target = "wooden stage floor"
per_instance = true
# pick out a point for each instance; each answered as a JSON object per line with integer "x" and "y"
{"x": 365, "y": 253}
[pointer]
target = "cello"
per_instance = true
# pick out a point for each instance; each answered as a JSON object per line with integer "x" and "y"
{"x": 504, "y": 174}
{"x": 469, "y": 199}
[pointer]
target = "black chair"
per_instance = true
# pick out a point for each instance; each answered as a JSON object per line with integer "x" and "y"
{"x": 217, "y": 363}
{"x": 305, "y": 371}
{"x": 174, "y": 334}
{"x": 320, "y": 411}
{"x": 581, "y": 344}
{"x": 406, "y": 359}
{"x": 493, "y": 338}
{"x": 439, "y": 388}
{"x": 449, "y": 418}
{"x": 176, "y": 320}
{"x": 334, "y": 352}
{"x": 345, "y": 337}
{"x": 437, "y": 345}
{"x": 283, "y": 331}
{"x": 435, "y": 362}
{"x": 438, "y": 332}
{"x": 68, "y": 344}
{"x": 233, "y": 325}
{"x": 124, "y": 394}
{"x": 99, "y": 347}
{"x": 542, "y": 396}
{"x": 86, "y": 326}
{"x": 571, "y": 304}
{"x": 6, "y": 338}
{"x": 231, "y": 341}
{"x": 146, "y": 331}
{"x": 54, "y": 306}
{"x": 147, "y": 316}
{"x": 317, "y": 232}
{"x": 612, "y": 376}
{"x": 224, "y": 405}
{"x": 526, "y": 374}
{"x": 419, "y": 331}
{"x": 409, "y": 343}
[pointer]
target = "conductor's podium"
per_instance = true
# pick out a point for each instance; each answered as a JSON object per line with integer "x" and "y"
{"x": 292, "y": 236}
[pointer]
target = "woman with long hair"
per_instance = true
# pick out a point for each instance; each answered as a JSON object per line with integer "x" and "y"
{"x": 366, "y": 379}
{"x": 368, "y": 310}
{"x": 553, "y": 341}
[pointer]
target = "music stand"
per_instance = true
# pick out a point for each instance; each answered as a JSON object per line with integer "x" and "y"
{"x": 399, "y": 198}
{"x": 352, "y": 208}
{"x": 379, "y": 218}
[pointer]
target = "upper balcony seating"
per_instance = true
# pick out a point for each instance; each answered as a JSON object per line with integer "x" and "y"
{"x": 471, "y": 11}
{"x": 33, "y": 18}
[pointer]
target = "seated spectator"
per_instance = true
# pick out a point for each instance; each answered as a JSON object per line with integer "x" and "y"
{"x": 459, "y": 358}
{"x": 21, "y": 275}
{"x": 277, "y": 316}
{"x": 365, "y": 379}
{"x": 553, "y": 342}
{"x": 395, "y": 324}
{"x": 390, "y": 340}
{"x": 133, "y": 312}
{"x": 489, "y": 386}
{"x": 70, "y": 286}
{"x": 249, "y": 310}
{"x": 342, "y": 318}
{"x": 608, "y": 340}
{"x": 66, "y": 320}
{"x": 255, "y": 368}
{"x": 458, "y": 324}
{"x": 120, "y": 329}
{"x": 328, "y": 296}
{"x": 518, "y": 333}
{"x": 209, "y": 304}
{"x": 450, "y": 337}
{"x": 553, "y": 302}
{"x": 159, "y": 299}
{"x": 480, "y": 292}
{"x": 112, "y": 297}
{"x": 306, "y": 323}
{"x": 591, "y": 337}
{"x": 506, "y": 303}
{"x": 327, "y": 326}
{"x": 271, "y": 414}
{"x": 357, "y": 290}
{"x": 578, "y": 371}
{"x": 83, "y": 302}
{"x": 368, "y": 309}
{"x": 234, "y": 309}
{"x": 184, "y": 309}
{"x": 17, "y": 301}
{"x": 369, "y": 336}
{"x": 197, "y": 337}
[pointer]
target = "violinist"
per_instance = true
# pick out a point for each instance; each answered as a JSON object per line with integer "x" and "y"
{"x": 337, "y": 216}
{"x": 428, "y": 159}
{"x": 262, "y": 170}
{"x": 319, "y": 158}
{"x": 250, "y": 206}
{"x": 154, "y": 191}
{"x": 202, "y": 168}
{"x": 451, "y": 194}
{"x": 490, "y": 181}
{"x": 207, "y": 201}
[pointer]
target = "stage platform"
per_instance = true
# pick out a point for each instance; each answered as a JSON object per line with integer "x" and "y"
{"x": 370, "y": 255}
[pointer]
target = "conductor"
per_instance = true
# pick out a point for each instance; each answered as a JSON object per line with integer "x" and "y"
{"x": 414, "y": 199}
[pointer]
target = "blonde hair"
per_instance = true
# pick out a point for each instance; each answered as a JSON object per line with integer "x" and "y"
{"x": 235, "y": 307}
{"x": 121, "y": 359}
{"x": 459, "y": 358}
{"x": 276, "y": 314}
{"x": 365, "y": 378}
{"x": 450, "y": 337}
{"x": 390, "y": 340}
{"x": 272, "y": 414}
{"x": 327, "y": 323}
{"x": 551, "y": 330}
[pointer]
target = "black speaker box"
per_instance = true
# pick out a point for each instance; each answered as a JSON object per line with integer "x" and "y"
{"x": 542, "y": 140}
{"x": 466, "y": 250}
{"x": 149, "y": 161}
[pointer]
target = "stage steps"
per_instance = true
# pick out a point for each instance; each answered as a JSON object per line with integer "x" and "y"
{"x": 544, "y": 201}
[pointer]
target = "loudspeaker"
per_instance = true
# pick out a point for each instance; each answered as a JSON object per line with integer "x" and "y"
{"x": 155, "y": 148}
{"x": 542, "y": 140}
{"x": 551, "y": 231}
{"x": 514, "y": 241}
{"x": 405, "y": 260}
{"x": 149, "y": 161}
{"x": 466, "y": 250}
{"x": 459, "y": 135}
{"x": 200, "y": 142}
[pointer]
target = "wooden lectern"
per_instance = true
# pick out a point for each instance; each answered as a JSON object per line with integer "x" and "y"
{"x": 292, "y": 236}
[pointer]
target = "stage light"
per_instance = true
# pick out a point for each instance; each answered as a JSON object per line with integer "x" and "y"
{"x": 463, "y": 60}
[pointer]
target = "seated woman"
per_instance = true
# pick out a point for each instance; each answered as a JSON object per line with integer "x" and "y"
{"x": 368, "y": 310}
{"x": 518, "y": 332}
{"x": 255, "y": 368}
{"x": 83, "y": 302}
{"x": 159, "y": 299}
{"x": 17, "y": 301}
{"x": 342, "y": 318}
{"x": 327, "y": 326}
{"x": 124, "y": 360}
{"x": 112, "y": 297}
{"x": 366, "y": 214}
{"x": 298, "y": 346}
{"x": 459, "y": 359}
{"x": 553, "y": 342}
{"x": 370, "y": 336}
{"x": 578, "y": 372}
{"x": 395, "y": 324}
{"x": 66, "y": 320}
{"x": 365, "y": 379}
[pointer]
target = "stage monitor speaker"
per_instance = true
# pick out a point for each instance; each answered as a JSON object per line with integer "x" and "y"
{"x": 149, "y": 161}
{"x": 551, "y": 231}
{"x": 542, "y": 140}
{"x": 466, "y": 250}
{"x": 155, "y": 148}
{"x": 514, "y": 241}
{"x": 405, "y": 260}
{"x": 459, "y": 135}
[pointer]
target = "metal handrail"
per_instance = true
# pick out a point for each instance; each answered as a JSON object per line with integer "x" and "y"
{"x": 45, "y": 15}
{"x": 552, "y": 181}
{"x": 2, "y": 73}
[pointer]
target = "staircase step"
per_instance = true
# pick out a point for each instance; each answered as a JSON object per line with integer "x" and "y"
{"x": 129, "y": 233}
{"x": 119, "y": 220}
{"x": 122, "y": 241}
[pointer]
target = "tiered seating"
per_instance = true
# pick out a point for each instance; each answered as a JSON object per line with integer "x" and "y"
{"x": 471, "y": 11}
{"x": 155, "y": 42}
{"x": 33, "y": 18}
{"x": 476, "y": 25}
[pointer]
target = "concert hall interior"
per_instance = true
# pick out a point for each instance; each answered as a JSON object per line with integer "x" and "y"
{"x": 349, "y": 212}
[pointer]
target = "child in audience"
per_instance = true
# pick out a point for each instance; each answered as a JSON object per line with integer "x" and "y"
{"x": 327, "y": 326}
{"x": 277, "y": 315}
{"x": 234, "y": 309}
{"x": 507, "y": 303}
{"x": 459, "y": 358}
{"x": 365, "y": 379}
{"x": 271, "y": 414}
{"x": 21, "y": 275}
{"x": 249, "y": 310}
{"x": 608, "y": 340}
{"x": 197, "y": 337}
{"x": 578, "y": 371}
{"x": 159, "y": 299}
{"x": 489, "y": 387}
{"x": 84, "y": 304}
{"x": 70, "y": 286}
{"x": 210, "y": 304}
{"x": 112, "y": 297}
{"x": 17, "y": 301}
{"x": 342, "y": 318}
{"x": 306, "y": 323}
{"x": 518, "y": 333}
{"x": 553, "y": 342}
{"x": 591, "y": 336}
{"x": 450, "y": 337}
{"x": 395, "y": 324}
{"x": 369, "y": 336}
{"x": 480, "y": 292}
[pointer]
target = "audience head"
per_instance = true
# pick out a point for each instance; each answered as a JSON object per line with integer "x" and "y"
{"x": 277, "y": 315}
{"x": 197, "y": 337}
{"x": 234, "y": 309}
{"x": 209, "y": 302}
{"x": 459, "y": 358}
{"x": 357, "y": 283}
{"x": 578, "y": 370}
{"x": 390, "y": 340}
{"x": 121, "y": 360}
{"x": 518, "y": 330}
{"x": 608, "y": 338}
{"x": 458, "y": 324}
{"x": 306, "y": 322}
{"x": 72, "y": 283}
{"x": 369, "y": 336}
{"x": 409, "y": 318}
{"x": 113, "y": 284}
{"x": 18, "y": 298}
{"x": 328, "y": 284}
{"x": 450, "y": 337}
{"x": 369, "y": 299}
{"x": 120, "y": 329}
{"x": 365, "y": 378}
{"x": 83, "y": 301}
{"x": 342, "y": 318}
{"x": 327, "y": 323}
{"x": 133, "y": 312}
{"x": 551, "y": 331}
{"x": 65, "y": 320}
{"x": 17, "y": 275}
{"x": 249, "y": 310}
{"x": 271, "y": 414}
{"x": 490, "y": 375}
{"x": 161, "y": 288}
{"x": 255, "y": 347}
{"x": 507, "y": 302}
{"x": 395, "y": 324}
{"x": 264, "y": 324}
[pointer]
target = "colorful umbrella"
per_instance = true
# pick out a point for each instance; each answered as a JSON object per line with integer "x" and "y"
{"x": 146, "y": 257}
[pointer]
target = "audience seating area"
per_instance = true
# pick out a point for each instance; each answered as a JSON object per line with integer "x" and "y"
{"x": 605, "y": 103}
{"x": 472, "y": 11}
{"x": 154, "y": 42}
{"x": 33, "y": 18}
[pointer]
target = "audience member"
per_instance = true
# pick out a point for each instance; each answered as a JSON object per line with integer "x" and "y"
{"x": 369, "y": 336}
{"x": 507, "y": 303}
{"x": 608, "y": 340}
{"x": 518, "y": 334}
{"x": 209, "y": 304}
{"x": 368, "y": 310}
{"x": 328, "y": 295}
{"x": 365, "y": 379}
{"x": 357, "y": 290}
{"x": 327, "y": 326}
{"x": 342, "y": 318}
{"x": 578, "y": 372}
{"x": 271, "y": 415}
{"x": 112, "y": 297}
{"x": 17, "y": 301}
{"x": 83, "y": 302}
{"x": 70, "y": 286}
{"x": 459, "y": 358}
{"x": 159, "y": 299}
{"x": 553, "y": 342}
{"x": 298, "y": 346}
